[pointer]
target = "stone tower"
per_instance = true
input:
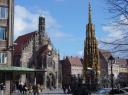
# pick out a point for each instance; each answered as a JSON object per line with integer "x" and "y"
{"x": 41, "y": 29}
{"x": 91, "y": 56}
{"x": 43, "y": 37}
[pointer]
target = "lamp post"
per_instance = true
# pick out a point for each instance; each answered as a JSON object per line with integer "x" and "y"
{"x": 11, "y": 48}
{"x": 111, "y": 60}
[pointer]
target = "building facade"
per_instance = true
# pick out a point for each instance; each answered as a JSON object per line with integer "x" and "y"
{"x": 72, "y": 67}
{"x": 6, "y": 39}
{"x": 6, "y": 31}
{"x": 120, "y": 69}
{"x": 103, "y": 63}
{"x": 35, "y": 50}
{"x": 120, "y": 72}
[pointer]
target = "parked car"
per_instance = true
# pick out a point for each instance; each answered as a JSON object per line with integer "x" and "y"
{"x": 102, "y": 91}
{"x": 118, "y": 92}
{"x": 126, "y": 89}
{"x": 109, "y": 91}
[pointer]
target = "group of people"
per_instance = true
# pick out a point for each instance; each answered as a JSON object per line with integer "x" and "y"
{"x": 66, "y": 89}
{"x": 2, "y": 86}
{"x": 80, "y": 89}
{"x": 29, "y": 88}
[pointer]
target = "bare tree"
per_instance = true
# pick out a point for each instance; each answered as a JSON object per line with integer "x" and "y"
{"x": 119, "y": 10}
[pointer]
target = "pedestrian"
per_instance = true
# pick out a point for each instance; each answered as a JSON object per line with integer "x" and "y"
{"x": 25, "y": 88}
{"x": 84, "y": 90}
{"x": 2, "y": 88}
{"x": 35, "y": 90}
{"x": 69, "y": 91}
{"x": 38, "y": 87}
{"x": 30, "y": 89}
{"x": 64, "y": 89}
{"x": 20, "y": 87}
{"x": 41, "y": 88}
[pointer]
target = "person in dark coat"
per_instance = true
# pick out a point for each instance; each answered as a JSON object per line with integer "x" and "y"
{"x": 84, "y": 90}
{"x": 20, "y": 88}
{"x": 35, "y": 90}
{"x": 64, "y": 88}
{"x": 81, "y": 89}
{"x": 24, "y": 88}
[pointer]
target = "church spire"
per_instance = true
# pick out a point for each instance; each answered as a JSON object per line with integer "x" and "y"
{"x": 91, "y": 53}
{"x": 89, "y": 12}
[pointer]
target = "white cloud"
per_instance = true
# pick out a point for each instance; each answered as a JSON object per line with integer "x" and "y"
{"x": 116, "y": 33}
{"x": 80, "y": 53}
{"x": 26, "y": 21}
{"x": 113, "y": 33}
{"x": 115, "y": 30}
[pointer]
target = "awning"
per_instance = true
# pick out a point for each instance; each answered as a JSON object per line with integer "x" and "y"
{"x": 18, "y": 69}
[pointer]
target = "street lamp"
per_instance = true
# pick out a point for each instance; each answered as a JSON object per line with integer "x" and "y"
{"x": 111, "y": 60}
{"x": 11, "y": 48}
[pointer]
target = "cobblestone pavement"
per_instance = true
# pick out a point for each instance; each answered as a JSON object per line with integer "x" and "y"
{"x": 46, "y": 92}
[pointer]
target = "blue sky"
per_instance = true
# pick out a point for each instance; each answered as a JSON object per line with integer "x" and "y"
{"x": 65, "y": 22}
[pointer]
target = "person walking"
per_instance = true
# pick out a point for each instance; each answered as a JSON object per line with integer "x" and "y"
{"x": 84, "y": 90}
{"x": 2, "y": 88}
{"x": 35, "y": 90}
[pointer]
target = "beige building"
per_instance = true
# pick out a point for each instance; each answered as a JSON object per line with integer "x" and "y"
{"x": 6, "y": 31}
{"x": 120, "y": 69}
{"x": 71, "y": 68}
{"x": 6, "y": 39}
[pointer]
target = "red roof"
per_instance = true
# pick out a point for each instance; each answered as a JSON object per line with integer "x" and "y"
{"x": 122, "y": 62}
{"x": 22, "y": 41}
{"x": 105, "y": 53}
{"x": 74, "y": 61}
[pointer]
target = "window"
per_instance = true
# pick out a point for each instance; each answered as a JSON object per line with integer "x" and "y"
{"x": 3, "y": 58}
{"x": 3, "y": 13}
{"x": 2, "y": 33}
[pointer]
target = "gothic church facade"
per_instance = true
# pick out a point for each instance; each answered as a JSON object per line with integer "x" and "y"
{"x": 35, "y": 50}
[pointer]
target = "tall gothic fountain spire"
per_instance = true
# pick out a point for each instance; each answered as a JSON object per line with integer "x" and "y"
{"x": 91, "y": 54}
